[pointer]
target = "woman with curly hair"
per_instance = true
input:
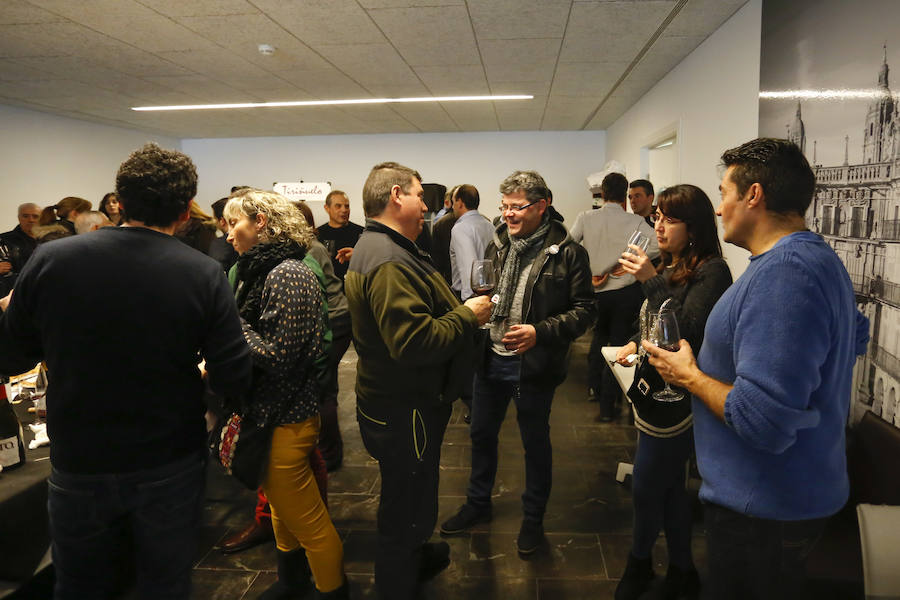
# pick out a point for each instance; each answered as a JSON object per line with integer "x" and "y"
{"x": 280, "y": 305}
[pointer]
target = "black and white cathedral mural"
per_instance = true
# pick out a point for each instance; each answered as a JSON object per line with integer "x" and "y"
{"x": 825, "y": 83}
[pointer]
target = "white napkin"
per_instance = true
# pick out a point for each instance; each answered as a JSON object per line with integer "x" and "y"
{"x": 40, "y": 436}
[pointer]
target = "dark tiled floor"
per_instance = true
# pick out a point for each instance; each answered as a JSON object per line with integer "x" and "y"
{"x": 588, "y": 521}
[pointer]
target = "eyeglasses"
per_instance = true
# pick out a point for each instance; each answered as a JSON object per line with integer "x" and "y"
{"x": 517, "y": 209}
{"x": 658, "y": 216}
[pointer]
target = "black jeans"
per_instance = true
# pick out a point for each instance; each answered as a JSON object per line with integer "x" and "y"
{"x": 660, "y": 499}
{"x": 617, "y": 313}
{"x": 92, "y": 516}
{"x": 757, "y": 559}
{"x": 490, "y": 400}
{"x": 406, "y": 442}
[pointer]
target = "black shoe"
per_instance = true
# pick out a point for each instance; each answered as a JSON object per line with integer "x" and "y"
{"x": 333, "y": 463}
{"x": 531, "y": 534}
{"x": 342, "y": 593}
{"x": 293, "y": 577}
{"x": 681, "y": 584}
{"x": 467, "y": 418}
{"x": 636, "y": 578}
{"x": 435, "y": 558}
{"x": 467, "y": 516}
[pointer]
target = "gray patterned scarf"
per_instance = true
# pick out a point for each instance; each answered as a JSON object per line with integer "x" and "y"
{"x": 512, "y": 267}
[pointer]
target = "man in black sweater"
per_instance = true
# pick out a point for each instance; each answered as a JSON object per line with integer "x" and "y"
{"x": 339, "y": 235}
{"x": 124, "y": 406}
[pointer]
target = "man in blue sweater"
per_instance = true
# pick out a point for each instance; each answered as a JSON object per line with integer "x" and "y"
{"x": 771, "y": 385}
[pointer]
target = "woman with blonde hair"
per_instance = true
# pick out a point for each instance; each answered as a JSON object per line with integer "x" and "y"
{"x": 64, "y": 212}
{"x": 198, "y": 231}
{"x": 280, "y": 305}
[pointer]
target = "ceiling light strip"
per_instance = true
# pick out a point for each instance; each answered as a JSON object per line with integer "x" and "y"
{"x": 351, "y": 101}
{"x": 826, "y": 94}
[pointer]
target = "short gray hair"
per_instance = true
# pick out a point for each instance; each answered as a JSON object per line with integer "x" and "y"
{"x": 90, "y": 220}
{"x": 284, "y": 221}
{"x": 530, "y": 182}
{"x": 28, "y": 205}
{"x": 381, "y": 180}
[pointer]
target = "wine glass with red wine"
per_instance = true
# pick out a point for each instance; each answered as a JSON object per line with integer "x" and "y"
{"x": 665, "y": 334}
{"x": 482, "y": 277}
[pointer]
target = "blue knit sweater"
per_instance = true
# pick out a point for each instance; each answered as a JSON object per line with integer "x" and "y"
{"x": 786, "y": 335}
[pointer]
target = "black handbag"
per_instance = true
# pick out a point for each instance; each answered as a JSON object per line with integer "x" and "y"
{"x": 659, "y": 419}
{"x": 243, "y": 448}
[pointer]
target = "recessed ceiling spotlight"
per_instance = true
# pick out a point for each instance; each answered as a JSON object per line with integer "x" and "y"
{"x": 266, "y": 49}
{"x": 334, "y": 102}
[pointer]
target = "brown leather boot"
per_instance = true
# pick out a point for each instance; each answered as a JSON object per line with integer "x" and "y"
{"x": 254, "y": 534}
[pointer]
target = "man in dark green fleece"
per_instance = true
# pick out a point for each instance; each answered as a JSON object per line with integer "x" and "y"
{"x": 414, "y": 340}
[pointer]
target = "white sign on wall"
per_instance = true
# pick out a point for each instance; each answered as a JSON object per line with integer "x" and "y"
{"x": 302, "y": 190}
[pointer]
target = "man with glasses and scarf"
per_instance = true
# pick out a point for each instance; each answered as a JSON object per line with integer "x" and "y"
{"x": 543, "y": 301}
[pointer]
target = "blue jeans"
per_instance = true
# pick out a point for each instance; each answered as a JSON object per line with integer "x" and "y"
{"x": 490, "y": 398}
{"x": 757, "y": 559}
{"x": 156, "y": 510}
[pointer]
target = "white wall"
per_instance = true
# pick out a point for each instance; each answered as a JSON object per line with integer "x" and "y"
{"x": 481, "y": 159}
{"x": 710, "y": 100}
{"x": 44, "y": 158}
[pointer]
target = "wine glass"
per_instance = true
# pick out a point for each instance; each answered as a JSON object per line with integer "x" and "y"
{"x": 482, "y": 278}
{"x": 649, "y": 319}
{"x": 665, "y": 335}
{"x": 639, "y": 239}
{"x": 39, "y": 396}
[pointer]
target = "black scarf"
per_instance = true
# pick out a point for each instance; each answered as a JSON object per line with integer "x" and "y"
{"x": 252, "y": 268}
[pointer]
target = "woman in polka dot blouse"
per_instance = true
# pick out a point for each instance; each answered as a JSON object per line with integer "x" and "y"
{"x": 280, "y": 305}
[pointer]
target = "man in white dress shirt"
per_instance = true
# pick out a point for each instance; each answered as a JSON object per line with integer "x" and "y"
{"x": 618, "y": 296}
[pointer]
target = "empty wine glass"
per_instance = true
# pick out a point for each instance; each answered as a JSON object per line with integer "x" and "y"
{"x": 639, "y": 239}
{"x": 648, "y": 322}
{"x": 39, "y": 397}
{"x": 665, "y": 335}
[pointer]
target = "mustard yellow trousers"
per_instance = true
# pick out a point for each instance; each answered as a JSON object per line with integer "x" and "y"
{"x": 298, "y": 515}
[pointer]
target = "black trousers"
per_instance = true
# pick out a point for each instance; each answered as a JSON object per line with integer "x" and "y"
{"x": 617, "y": 313}
{"x": 330, "y": 443}
{"x": 757, "y": 559}
{"x": 406, "y": 442}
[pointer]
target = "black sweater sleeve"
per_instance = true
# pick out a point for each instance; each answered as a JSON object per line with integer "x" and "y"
{"x": 692, "y": 304}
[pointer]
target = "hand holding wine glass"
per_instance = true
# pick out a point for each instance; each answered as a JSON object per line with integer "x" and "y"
{"x": 665, "y": 335}
{"x": 482, "y": 280}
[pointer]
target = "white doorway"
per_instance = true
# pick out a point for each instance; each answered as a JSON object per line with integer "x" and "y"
{"x": 662, "y": 163}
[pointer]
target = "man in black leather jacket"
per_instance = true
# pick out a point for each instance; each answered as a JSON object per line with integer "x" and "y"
{"x": 543, "y": 301}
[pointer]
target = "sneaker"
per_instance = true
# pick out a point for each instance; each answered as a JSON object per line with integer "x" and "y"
{"x": 435, "y": 558}
{"x": 467, "y": 516}
{"x": 531, "y": 534}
